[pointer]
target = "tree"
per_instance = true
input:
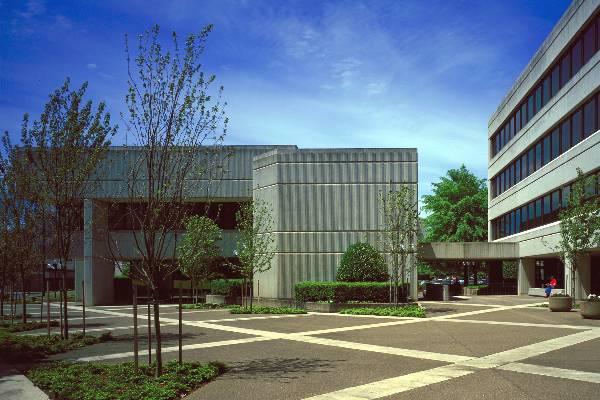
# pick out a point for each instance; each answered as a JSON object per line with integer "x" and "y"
{"x": 399, "y": 210}
{"x": 22, "y": 213}
{"x": 198, "y": 249}
{"x": 65, "y": 146}
{"x": 579, "y": 223}
{"x": 178, "y": 130}
{"x": 255, "y": 246}
{"x": 457, "y": 208}
{"x": 361, "y": 262}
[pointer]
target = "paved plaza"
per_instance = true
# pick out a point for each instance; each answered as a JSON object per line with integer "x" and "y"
{"x": 481, "y": 348}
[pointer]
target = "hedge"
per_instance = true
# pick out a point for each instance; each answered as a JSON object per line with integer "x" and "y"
{"x": 226, "y": 287}
{"x": 342, "y": 292}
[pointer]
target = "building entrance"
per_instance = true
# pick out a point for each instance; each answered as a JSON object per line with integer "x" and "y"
{"x": 547, "y": 267}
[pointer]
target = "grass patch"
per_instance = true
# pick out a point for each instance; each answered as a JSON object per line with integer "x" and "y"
{"x": 66, "y": 381}
{"x": 412, "y": 310}
{"x": 476, "y": 286}
{"x": 29, "y": 326}
{"x": 266, "y": 310}
{"x": 24, "y": 349}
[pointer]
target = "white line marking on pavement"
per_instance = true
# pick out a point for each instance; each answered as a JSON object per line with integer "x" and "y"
{"x": 583, "y": 376}
{"x": 388, "y": 387}
{"x": 458, "y": 304}
{"x": 528, "y": 324}
{"x": 176, "y": 348}
{"x": 426, "y": 355}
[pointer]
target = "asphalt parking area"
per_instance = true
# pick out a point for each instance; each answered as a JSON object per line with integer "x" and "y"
{"x": 504, "y": 350}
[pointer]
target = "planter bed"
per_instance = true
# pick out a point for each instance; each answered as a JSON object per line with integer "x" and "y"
{"x": 337, "y": 307}
{"x": 590, "y": 309}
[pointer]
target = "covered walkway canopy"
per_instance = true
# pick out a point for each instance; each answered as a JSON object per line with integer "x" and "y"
{"x": 468, "y": 251}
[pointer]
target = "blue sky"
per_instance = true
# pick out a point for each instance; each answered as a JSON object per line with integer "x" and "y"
{"x": 425, "y": 74}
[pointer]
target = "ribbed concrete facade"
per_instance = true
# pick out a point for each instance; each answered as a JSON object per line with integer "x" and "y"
{"x": 323, "y": 201}
{"x": 538, "y": 243}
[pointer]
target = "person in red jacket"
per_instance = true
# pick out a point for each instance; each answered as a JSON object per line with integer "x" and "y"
{"x": 551, "y": 285}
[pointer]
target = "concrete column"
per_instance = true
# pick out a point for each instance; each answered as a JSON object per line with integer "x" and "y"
{"x": 98, "y": 269}
{"x": 583, "y": 280}
{"x": 526, "y": 276}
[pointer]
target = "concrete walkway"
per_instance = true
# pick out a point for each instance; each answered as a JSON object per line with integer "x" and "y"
{"x": 16, "y": 386}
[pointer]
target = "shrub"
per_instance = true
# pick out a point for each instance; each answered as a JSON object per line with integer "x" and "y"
{"x": 266, "y": 310}
{"x": 412, "y": 310}
{"x": 362, "y": 263}
{"x": 226, "y": 287}
{"x": 120, "y": 381}
{"x": 343, "y": 292}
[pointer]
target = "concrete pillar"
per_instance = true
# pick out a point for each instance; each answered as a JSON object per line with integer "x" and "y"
{"x": 583, "y": 280}
{"x": 98, "y": 269}
{"x": 526, "y": 276}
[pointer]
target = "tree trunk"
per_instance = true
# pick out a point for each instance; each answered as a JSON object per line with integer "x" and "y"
{"x": 251, "y": 292}
{"x": 157, "y": 334}
{"x": 23, "y": 297}
{"x": 466, "y": 274}
{"x": 2, "y": 292}
{"x": 64, "y": 288}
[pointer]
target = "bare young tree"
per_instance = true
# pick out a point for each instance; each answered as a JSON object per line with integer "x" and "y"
{"x": 399, "y": 210}
{"x": 177, "y": 128}
{"x": 256, "y": 244}
{"x": 64, "y": 148}
{"x": 22, "y": 212}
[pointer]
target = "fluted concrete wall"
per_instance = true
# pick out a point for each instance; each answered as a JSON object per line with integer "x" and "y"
{"x": 323, "y": 201}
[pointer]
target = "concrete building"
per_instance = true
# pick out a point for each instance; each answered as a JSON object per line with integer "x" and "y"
{"x": 545, "y": 127}
{"x": 323, "y": 200}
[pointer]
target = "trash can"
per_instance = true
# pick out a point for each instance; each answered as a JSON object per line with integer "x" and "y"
{"x": 446, "y": 293}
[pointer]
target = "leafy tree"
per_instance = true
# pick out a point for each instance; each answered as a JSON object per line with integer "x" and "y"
{"x": 579, "y": 223}
{"x": 400, "y": 212}
{"x": 65, "y": 146}
{"x": 198, "y": 249}
{"x": 361, "y": 262}
{"x": 457, "y": 208}
{"x": 255, "y": 246}
{"x": 177, "y": 128}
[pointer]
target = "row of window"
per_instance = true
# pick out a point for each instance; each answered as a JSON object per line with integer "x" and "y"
{"x": 126, "y": 216}
{"x": 538, "y": 212}
{"x": 578, "y": 125}
{"x": 585, "y": 45}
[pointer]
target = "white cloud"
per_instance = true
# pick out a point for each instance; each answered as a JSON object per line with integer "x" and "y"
{"x": 91, "y": 66}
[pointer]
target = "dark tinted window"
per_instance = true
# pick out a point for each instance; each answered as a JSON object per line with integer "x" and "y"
{"x": 589, "y": 43}
{"x": 555, "y": 143}
{"x": 555, "y": 79}
{"x": 576, "y": 57}
{"x": 518, "y": 221}
{"x": 512, "y": 127}
{"x": 576, "y": 128}
{"x": 518, "y": 171}
{"x": 531, "y": 162}
{"x": 538, "y": 156}
{"x": 518, "y": 121}
{"x": 524, "y": 216}
{"x": 589, "y": 118}
{"x": 529, "y": 108}
{"x": 538, "y": 98}
{"x": 546, "y": 90}
{"x": 524, "y": 166}
{"x": 555, "y": 200}
{"x": 566, "y": 192}
{"x": 565, "y": 69}
{"x": 546, "y": 145}
{"x": 566, "y": 135}
{"x": 538, "y": 208}
{"x": 531, "y": 213}
{"x": 547, "y": 209}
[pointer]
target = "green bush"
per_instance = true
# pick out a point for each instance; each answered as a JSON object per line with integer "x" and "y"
{"x": 203, "y": 306}
{"x": 29, "y": 326}
{"x": 68, "y": 381}
{"x": 226, "y": 287}
{"x": 362, "y": 263}
{"x": 412, "y": 310}
{"x": 266, "y": 310}
{"x": 343, "y": 292}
